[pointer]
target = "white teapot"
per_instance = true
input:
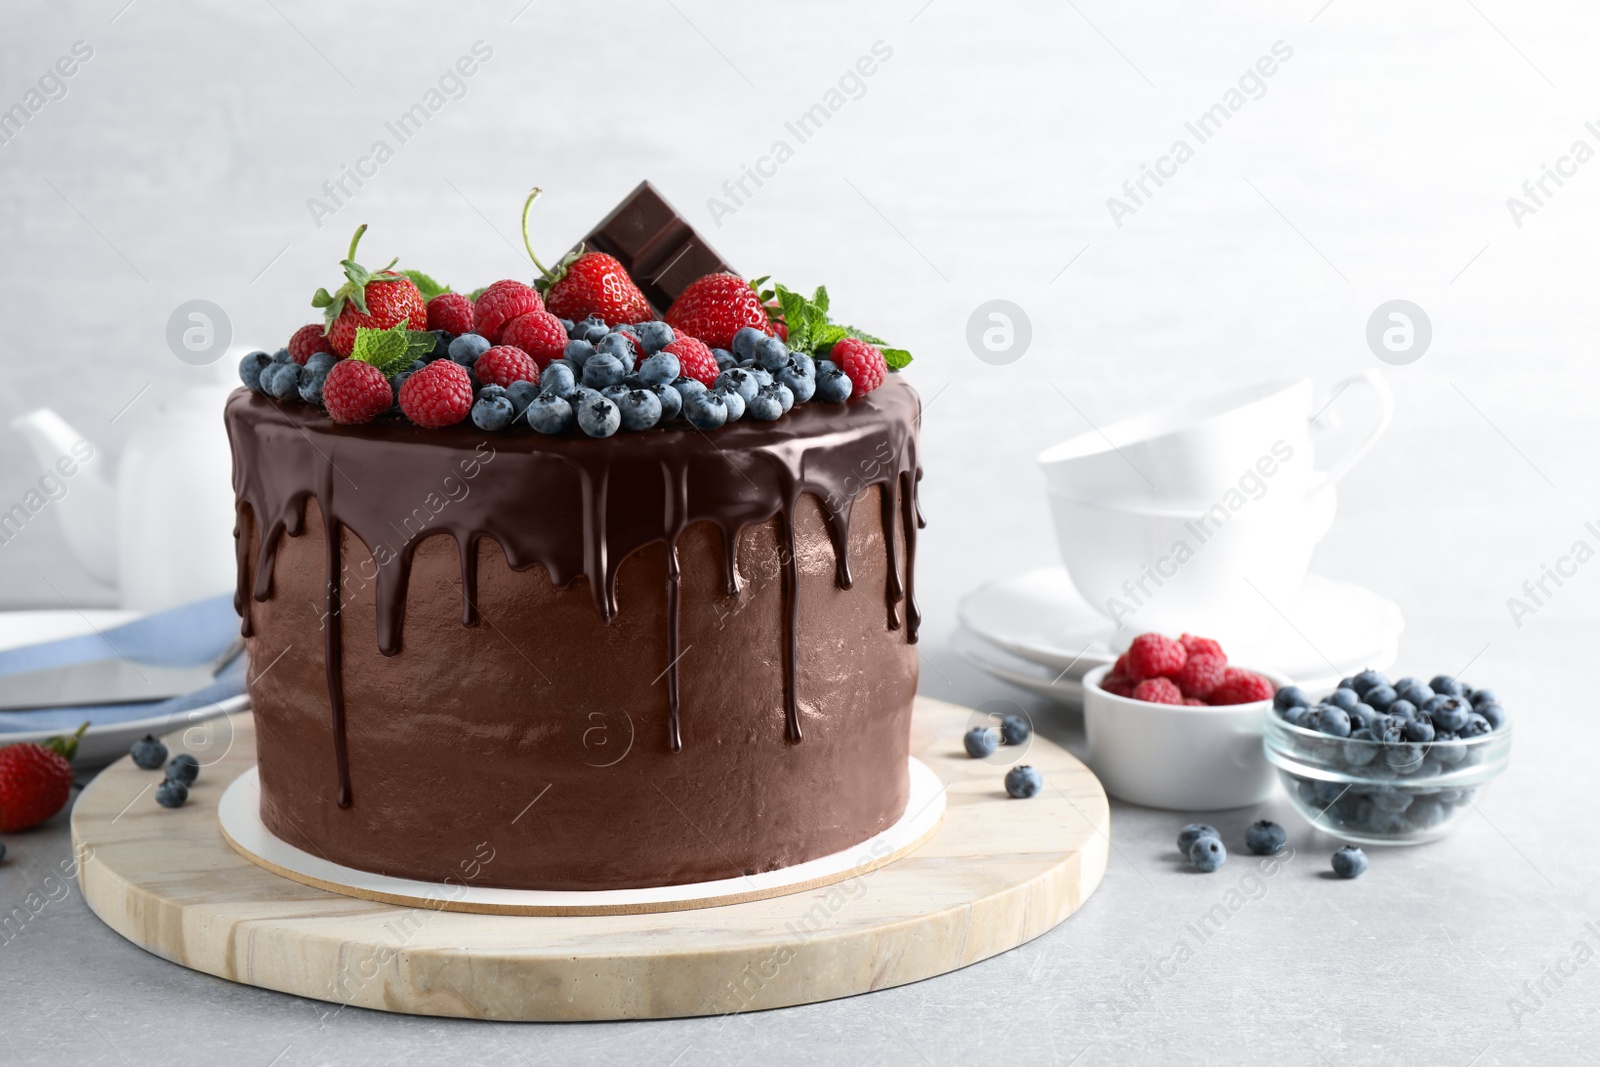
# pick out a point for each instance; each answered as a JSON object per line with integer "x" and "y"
{"x": 161, "y": 530}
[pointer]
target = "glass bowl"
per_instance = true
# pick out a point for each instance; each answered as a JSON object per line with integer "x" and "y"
{"x": 1374, "y": 793}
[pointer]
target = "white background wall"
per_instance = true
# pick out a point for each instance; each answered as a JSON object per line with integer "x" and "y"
{"x": 976, "y": 165}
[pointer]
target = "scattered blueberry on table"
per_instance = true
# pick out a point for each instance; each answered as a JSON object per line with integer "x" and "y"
{"x": 1014, "y": 730}
{"x": 172, "y": 793}
{"x": 1022, "y": 781}
{"x": 1349, "y": 862}
{"x": 981, "y": 741}
{"x": 1207, "y": 853}
{"x": 1265, "y": 838}
{"x": 1192, "y": 833}
{"x": 148, "y": 753}
{"x": 183, "y": 769}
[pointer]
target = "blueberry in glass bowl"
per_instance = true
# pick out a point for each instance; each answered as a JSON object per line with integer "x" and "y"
{"x": 1399, "y": 774}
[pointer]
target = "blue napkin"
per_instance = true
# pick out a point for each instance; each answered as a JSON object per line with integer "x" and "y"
{"x": 178, "y": 637}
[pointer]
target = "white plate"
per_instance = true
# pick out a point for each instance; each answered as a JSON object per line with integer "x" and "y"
{"x": 1042, "y": 618}
{"x": 1041, "y": 681}
{"x": 109, "y": 742}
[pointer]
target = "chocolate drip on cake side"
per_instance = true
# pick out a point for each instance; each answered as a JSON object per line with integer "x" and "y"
{"x": 557, "y": 503}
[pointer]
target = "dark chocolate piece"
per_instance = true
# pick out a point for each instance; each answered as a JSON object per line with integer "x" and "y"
{"x": 661, "y": 252}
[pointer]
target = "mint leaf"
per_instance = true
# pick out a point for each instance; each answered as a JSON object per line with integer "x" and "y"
{"x": 896, "y": 358}
{"x": 863, "y": 335}
{"x": 820, "y": 299}
{"x": 428, "y": 287}
{"x": 392, "y": 350}
{"x": 473, "y": 296}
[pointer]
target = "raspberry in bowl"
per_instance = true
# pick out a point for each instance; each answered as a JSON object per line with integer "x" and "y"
{"x": 1382, "y": 763}
{"x": 1172, "y": 724}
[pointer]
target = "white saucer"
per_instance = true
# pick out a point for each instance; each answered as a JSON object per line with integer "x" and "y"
{"x": 239, "y": 814}
{"x": 1058, "y": 685}
{"x": 1040, "y": 617}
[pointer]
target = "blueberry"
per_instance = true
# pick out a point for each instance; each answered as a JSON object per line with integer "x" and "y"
{"x": 745, "y": 341}
{"x": 558, "y": 379}
{"x": 803, "y": 386}
{"x": 1403, "y": 758}
{"x": 521, "y": 394}
{"x": 149, "y": 753}
{"x": 183, "y": 768}
{"x": 1014, "y": 730}
{"x": 492, "y": 413}
{"x": 615, "y": 393}
{"x": 466, "y": 348}
{"x": 1477, "y": 725}
{"x": 1207, "y": 853}
{"x": 2, "y": 851}
{"x": 282, "y": 381}
{"x": 735, "y": 402}
{"x": 250, "y": 368}
{"x": 321, "y": 361}
{"x": 1335, "y": 722}
{"x": 655, "y": 335}
{"x": 566, "y": 324}
{"x": 784, "y": 394}
{"x": 685, "y": 386}
{"x": 548, "y": 413}
{"x": 618, "y": 345}
{"x": 705, "y": 410}
{"x": 1362, "y": 717}
{"x": 1445, "y": 684}
{"x": 1380, "y": 696}
{"x": 770, "y": 354}
{"x": 766, "y": 407}
{"x": 578, "y": 352}
{"x": 1419, "y": 730}
{"x": 311, "y": 383}
{"x": 603, "y": 369}
{"x": 1347, "y": 683}
{"x": 1022, "y": 781}
{"x": 671, "y": 402}
{"x": 641, "y": 409}
{"x": 1290, "y": 696}
{"x": 660, "y": 369}
{"x": 1416, "y": 692}
{"x": 597, "y": 416}
{"x": 1296, "y": 716}
{"x": 1343, "y": 697}
{"x": 1404, "y": 709}
{"x": 1265, "y": 838}
{"x": 1192, "y": 833}
{"x": 981, "y": 741}
{"x": 1389, "y": 729}
{"x": 803, "y": 363}
{"x": 1349, "y": 862}
{"x": 172, "y": 793}
{"x": 740, "y": 381}
{"x": 1493, "y": 714}
{"x": 282, "y": 356}
{"x": 1360, "y": 751}
{"x": 1448, "y": 712}
{"x": 590, "y": 329}
{"x": 1484, "y": 696}
{"x": 725, "y": 359}
{"x": 1367, "y": 680}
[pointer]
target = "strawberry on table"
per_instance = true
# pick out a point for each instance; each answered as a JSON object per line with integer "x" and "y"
{"x": 35, "y": 780}
{"x": 377, "y": 300}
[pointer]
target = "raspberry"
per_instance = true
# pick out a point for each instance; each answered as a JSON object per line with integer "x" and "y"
{"x": 1193, "y": 703}
{"x": 1241, "y": 687}
{"x": 1195, "y": 644}
{"x": 1201, "y": 673}
{"x": 499, "y": 304}
{"x": 504, "y": 364}
{"x": 695, "y": 359}
{"x": 1152, "y": 656}
{"x": 862, "y": 363}
{"x": 439, "y": 394}
{"x": 539, "y": 334}
{"x": 1120, "y": 668}
{"x": 356, "y": 392}
{"x": 450, "y": 312}
{"x": 1157, "y": 691}
{"x": 307, "y": 342}
{"x": 1118, "y": 684}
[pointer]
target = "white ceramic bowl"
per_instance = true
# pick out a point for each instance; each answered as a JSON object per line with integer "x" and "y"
{"x": 1179, "y": 570}
{"x": 1177, "y": 756}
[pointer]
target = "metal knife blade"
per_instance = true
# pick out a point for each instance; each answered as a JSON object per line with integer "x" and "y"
{"x": 107, "y": 681}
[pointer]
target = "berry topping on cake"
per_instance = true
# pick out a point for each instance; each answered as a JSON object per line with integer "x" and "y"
{"x": 499, "y": 304}
{"x": 694, "y": 359}
{"x": 587, "y": 283}
{"x": 307, "y": 341}
{"x": 356, "y": 392}
{"x": 375, "y": 300}
{"x": 716, "y": 307}
{"x": 439, "y": 394}
{"x": 451, "y": 312}
{"x": 539, "y": 334}
{"x": 1153, "y": 656}
{"x": 502, "y": 365}
{"x": 861, "y": 362}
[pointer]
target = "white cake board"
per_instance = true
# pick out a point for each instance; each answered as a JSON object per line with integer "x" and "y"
{"x": 239, "y": 813}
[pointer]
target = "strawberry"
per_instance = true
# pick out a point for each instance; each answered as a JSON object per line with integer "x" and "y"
{"x": 594, "y": 283}
{"x": 450, "y": 312}
{"x": 499, "y": 304}
{"x": 538, "y": 333}
{"x": 862, "y": 363}
{"x": 307, "y": 342}
{"x": 377, "y": 300}
{"x": 694, "y": 359}
{"x": 356, "y": 392}
{"x": 716, "y": 307}
{"x": 35, "y": 780}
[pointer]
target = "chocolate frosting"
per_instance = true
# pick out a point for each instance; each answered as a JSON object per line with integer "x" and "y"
{"x": 577, "y": 508}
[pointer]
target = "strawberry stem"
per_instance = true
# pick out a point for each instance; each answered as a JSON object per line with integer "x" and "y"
{"x": 527, "y": 205}
{"x": 355, "y": 241}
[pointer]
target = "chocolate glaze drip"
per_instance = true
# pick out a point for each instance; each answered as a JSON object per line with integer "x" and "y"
{"x": 575, "y": 506}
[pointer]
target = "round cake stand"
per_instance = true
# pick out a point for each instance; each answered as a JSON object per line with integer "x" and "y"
{"x": 994, "y": 874}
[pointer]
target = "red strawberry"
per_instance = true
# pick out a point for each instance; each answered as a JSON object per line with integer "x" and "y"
{"x": 307, "y": 342}
{"x": 595, "y": 284}
{"x": 499, "y": 304}
{"x": 1200, "y": 674}
{"x": 450, "y": 312}
{"x": 1240, "y": 687}
{"x": 439, "y": 394}
{"x": 538, "y": 333}
{"x": 501, "y": 365}
{"x": 716, "y": 307}
{"x": 694, "y": 359}
{"x": 1152, "y": 655}
{"x": 862, "y": 363}
{"x": 1202, "y": 644}
{"x": 35, "y": 780}
{"x": 1157, "y": 691}
{"x": 356, "y": 392}
{"x": 379, "y": 301}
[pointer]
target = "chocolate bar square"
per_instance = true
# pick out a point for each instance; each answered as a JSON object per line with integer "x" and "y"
{"x": 661, "y": 252}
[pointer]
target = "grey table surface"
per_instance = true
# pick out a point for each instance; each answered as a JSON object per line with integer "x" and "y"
{"x": 976, "y": 163}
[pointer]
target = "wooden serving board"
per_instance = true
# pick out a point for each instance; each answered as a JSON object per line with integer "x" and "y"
{"x": 996, "y": 873}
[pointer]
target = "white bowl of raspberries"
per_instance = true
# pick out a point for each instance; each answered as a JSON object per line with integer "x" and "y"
{"x": 1171, "y": 724}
